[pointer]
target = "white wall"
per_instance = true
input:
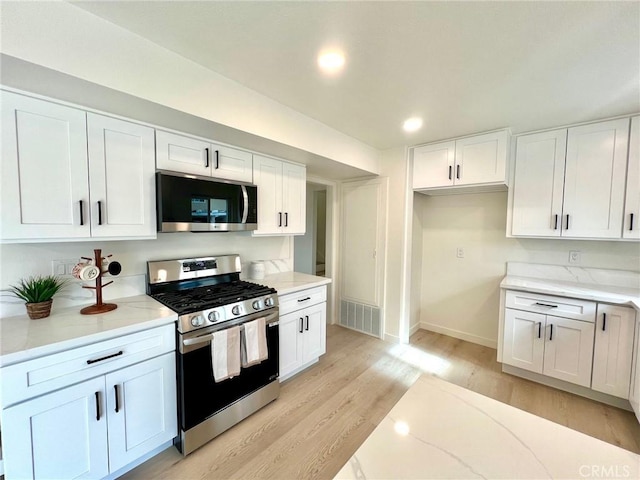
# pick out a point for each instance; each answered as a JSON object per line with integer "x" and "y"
{"x": 22, "y": 260}
{"x": 460, "y": 296}
{"x": 416, "y": 264}
{"x": 63, "y": 37}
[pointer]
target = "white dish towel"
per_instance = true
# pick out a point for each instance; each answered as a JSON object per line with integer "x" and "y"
{"x": 254, "y": 343}
{"x": 225, "y": 353}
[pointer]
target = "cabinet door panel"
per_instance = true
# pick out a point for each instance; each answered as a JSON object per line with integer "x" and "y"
{"x": 44, "y": 169}
{"x": 524, "y": 340}
{"x": 613, "y": 350}
{"x": 294, "y": 188}
{"x": 538, "y": 184}
{"x": 267, "y": 175}
{"x": 568, "y": 351}
{"x": 481, "y": 159}
{"x": 594, "y": 176}
{"x": 433, "y": 165}
{"x": 146, "y": 416}
{"x": 182, "y": 154}
{"x": 231, "y": 164}
{"x": 290, "y": 342}
{"x": 632, "y": 201}
{"x": 57, "y": 435}
{"x": 121, "y": 168}
{"x": 314, "y": 336}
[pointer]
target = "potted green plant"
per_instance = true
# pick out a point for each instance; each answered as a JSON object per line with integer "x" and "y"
{"x": 38, "y": 292}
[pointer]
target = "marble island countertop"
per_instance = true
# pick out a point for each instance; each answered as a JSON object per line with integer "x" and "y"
{"x": 608, "y": 286}
{"x": 22, "y": 339}
{"x": 441, "y": 430}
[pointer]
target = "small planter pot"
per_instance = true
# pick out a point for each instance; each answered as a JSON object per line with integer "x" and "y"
{"x": 39, "y": 310}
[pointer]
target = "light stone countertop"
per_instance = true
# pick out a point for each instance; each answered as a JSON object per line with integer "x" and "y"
{"x": 441, "y": 430}
{"x": 23, "y": 339}
{"x": 291, "y": 282}
{"x": 617, "y": 287}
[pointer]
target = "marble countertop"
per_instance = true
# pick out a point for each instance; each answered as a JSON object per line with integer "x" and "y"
{"x": 290, "y": 282}
{"x": 608, "y": 286}
{"x": 441, "y": 430}
{"x": 23, "y": 339}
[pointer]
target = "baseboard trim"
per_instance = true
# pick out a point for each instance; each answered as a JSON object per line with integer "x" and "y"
{"x": 486, "y": 342}
{"x": 414, "y": 329}
{"x": 568, "y": 387}
{"x": 391, "y": 338}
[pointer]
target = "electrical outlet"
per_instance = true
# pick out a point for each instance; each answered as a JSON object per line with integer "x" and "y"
{"x": 460, "y": 252}
{"x": 574, "y": 256}
{"x": 63, "y": 267}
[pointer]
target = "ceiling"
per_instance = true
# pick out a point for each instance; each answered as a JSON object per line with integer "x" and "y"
{"x": 465, "y": 67}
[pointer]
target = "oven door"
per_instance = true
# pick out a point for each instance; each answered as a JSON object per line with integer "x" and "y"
{"x": 186, "y": 203}
{"x": 199, "y": 396}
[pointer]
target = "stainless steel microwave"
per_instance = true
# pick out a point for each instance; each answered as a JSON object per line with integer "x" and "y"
{"x": 191, "y": 203}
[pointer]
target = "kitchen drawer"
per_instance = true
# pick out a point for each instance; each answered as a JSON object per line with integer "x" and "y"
{"x": 304, "y": 298}
{"x": 550, "y": 305}
{"x": 35, "y": 377}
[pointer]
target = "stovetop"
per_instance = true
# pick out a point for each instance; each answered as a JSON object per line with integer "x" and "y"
{"x": 211, "y": 296}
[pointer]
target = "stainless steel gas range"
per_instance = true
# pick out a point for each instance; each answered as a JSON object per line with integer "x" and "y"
{"x": 208, "y": 296}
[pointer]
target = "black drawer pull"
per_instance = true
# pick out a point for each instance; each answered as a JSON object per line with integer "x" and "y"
{"x": 217, "y": 159}
{"x": 301, "y": 324}
{"x": 307, "y": 317}
{"x": 82, "y": 212}
{"x": 567, "y": 222}
{"x": 546, "y": 305}
{"x": 551, "y": 334}
{"x": 115, "y": 387}
{"x": 304, "y": 299}
{"x": 89, "y": 362}
{"x": 286, "y": 219}
{"x": 458, "y": 172}
{"x": 450, "y": 171}
{"x": 206, "y": 158}
{"x": 279, "y": 219}
{"x": 630, "y": 221}
{"x": 539, "y": 329}
{"x": 604, "y": 322}
{"x": 555, "y": 223}
{"x": 99, "y": 213}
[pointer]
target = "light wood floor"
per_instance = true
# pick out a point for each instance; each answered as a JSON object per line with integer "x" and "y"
{"x": 325, "y": 413}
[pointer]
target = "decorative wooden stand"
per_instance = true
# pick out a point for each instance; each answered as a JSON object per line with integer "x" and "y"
{"x": 99, "y": 307}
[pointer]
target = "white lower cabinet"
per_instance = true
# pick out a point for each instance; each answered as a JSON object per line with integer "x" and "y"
{"x": 594, "y": 349}
{"x": 303, "y": 317}
{"x": 557, "y": 347}
{"x": 634, "y": 391}
{"x": 96, "y": 427}
{"x": 613, "y": 350}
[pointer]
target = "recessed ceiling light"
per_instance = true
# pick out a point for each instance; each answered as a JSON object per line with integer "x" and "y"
{"x": 412, "y": 124}
{"x": 331, "y": 61}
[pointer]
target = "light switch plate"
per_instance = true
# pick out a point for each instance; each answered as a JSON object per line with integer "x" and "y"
{"x": 574, "y": 256}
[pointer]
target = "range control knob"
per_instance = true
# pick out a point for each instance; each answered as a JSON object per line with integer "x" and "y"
{"x": 256, "y": 305}
{"x": 214, "y": 316}
{"x": 197, "y": 320}
{"x": 236, "y": 310}
{"x": 268, "y": 302}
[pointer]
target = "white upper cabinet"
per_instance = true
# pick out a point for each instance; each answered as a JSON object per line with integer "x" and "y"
{"x": 539, "y": 184}
{"x": 121, "y": 178}
{"x": 631, "y": 223}
{"x": 45, "y": 187}
{"x": 571, "y": 182}
{"x": 477, "y": 163}
{"x": 281, "y": 196}
{"x": 180, "y": 153}
{"x": 594, "y": 179}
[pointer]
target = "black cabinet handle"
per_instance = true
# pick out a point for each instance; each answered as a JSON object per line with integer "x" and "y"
{"x": 82, "y": 212}
{"x": 604, "y": 322}
{"x": 99, "y": 212}
{"x": 551, "y": 334}
{"x": 279, "y": 219}
{"x": 307, "y": 317}
{"x": 97, "y": 406}
{"x": 286, "y": 219}
{"x": 301, "y": 324}
{"x": 555, "y": 223}
{"x": 89, "y": 362}
{"x": 217, "y": 159}
{"x": 567, "y": 228}
{"x": 539, "y": 329}
{"x": 206, "y": 158}
{"x": 115, "y": 387}
{"x": 458, "y": 172}
{"x": 304, "y": 299}
{"x": 630, "y": 221}
{"x": 546, "y": 305}
{"x": 450, "y": 171}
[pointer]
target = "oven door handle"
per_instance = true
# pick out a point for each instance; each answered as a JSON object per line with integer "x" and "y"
{"x": 209, "y": 336}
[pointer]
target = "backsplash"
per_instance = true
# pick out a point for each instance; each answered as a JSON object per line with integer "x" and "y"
{"x": 22, "y": 260}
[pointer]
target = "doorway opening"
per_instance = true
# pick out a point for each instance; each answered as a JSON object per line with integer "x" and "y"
{"x": 311, "y": 254}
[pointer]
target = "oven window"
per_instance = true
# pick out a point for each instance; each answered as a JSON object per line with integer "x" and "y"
{"x": 209, "y": 210}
